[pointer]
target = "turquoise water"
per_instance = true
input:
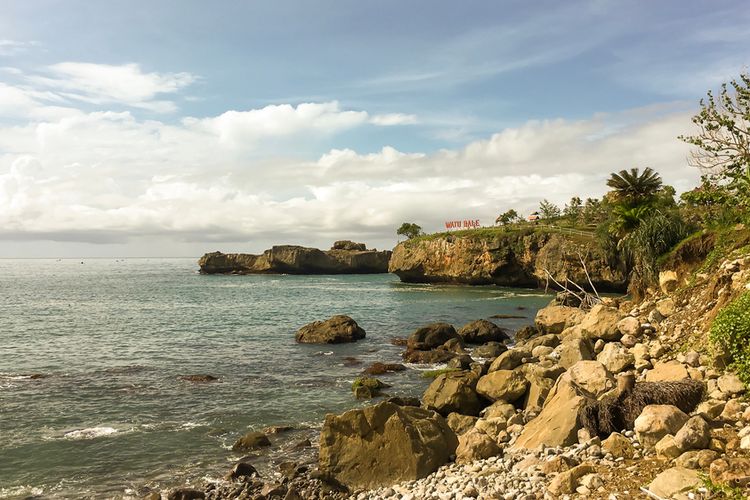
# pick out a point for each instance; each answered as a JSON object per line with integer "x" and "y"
{"x": 112, "y": 337}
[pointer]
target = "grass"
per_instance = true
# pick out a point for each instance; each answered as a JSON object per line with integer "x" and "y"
{"x": 522, "y": 229}
{"x": 437, "y": 373}
{"x": 726, "y": 491}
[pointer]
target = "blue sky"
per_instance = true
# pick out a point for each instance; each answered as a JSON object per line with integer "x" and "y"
{"x": 123, "y": 118}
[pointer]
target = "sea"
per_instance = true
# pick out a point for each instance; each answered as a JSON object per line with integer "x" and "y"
{"x": 92, "y": 403}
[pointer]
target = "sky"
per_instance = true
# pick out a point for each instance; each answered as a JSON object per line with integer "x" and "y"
{"x": 172, "y": 128}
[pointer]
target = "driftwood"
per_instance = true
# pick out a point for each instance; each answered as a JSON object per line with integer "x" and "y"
{"x": 586, "y": 300}
{"x": 617, "y": 413}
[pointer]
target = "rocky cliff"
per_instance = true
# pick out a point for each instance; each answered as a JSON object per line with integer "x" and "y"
{"x": 290, "y": 259}
{"x": 511, "y": 258}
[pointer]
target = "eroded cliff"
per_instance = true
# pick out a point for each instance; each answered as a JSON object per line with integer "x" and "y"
{"x": 511, "y": 258}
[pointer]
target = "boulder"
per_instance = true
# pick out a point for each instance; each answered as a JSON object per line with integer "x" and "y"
{"x": 510, "y": 359}
{"x": 490, "y": 350}
{"x": 336, "y": 330}
{"x": 629, "y": 326}
{"x": 566, "y": 482}
{"x": 616, "y": 358}
{"x": 241, "y": 469}
{"x": 557, "y": 423}
{"x": 601, "y": 323}
{"x": 251, "y": 441}
{"x": 696, "y": 459}
{"x": 508, "y": 385}
{"x": 673, "y": 481}
{"x": 185, "y": 494}
{"x": 668, "y": 281}
{"x": 431, "y": 357}
{"x": 667, "y": 447}
{"x": 491, "y": 426}
{"x": 384, "y": 444}
{"x": 694, "y": 435}
{"x": 460, "y": 362}
{"x": 431, "y": 336}
{"x": 382, "y": 368}
{"x": 367, "y": 387}
{"x": 499, "y": 409}
{"x": 664, "y": 372}
{"x": 555, "y": 319}
{"x": 475, "y": 445}
{"x": 348, "y": 245}
{"x": 453, "y": 392}
{"x": 731, "y": 471}
{"x": 573, "y": 350}
{"x": 461, "y": 423}
{"x": 591, "y": 377}
{"x": 539, "y": 388}
{"x": 666, "y": 307}
{"x": 526, "y": 333}
{"x": 729, "y": 383}
{"x": 656, "y": 421}
{"x": 618, "y": 445}
{"x": 482, "y": 331}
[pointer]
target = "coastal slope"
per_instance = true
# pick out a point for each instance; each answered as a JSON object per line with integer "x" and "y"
{"x": 506, "y": 258}
{"x": 292, "y": 259}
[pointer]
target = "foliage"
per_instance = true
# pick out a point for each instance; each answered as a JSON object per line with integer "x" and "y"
{"x": 627, "y": 219}
{"x": 508, "y": 217}
{"x": 635, "y": 188}
{"x": 730, "y": 332}
{"x": 574, "y": 208}
{"x": 723, "y": 154}
{"x": 655, "y": 235}
{"x": 594, "y": 211}
{"x": 410, "y": 230}
{"x": 549, "y": 210}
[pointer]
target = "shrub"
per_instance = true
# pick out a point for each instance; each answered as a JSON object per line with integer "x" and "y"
{"x": 730, "y": 332}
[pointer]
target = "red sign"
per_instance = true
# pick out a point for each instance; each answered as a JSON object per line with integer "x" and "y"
{"x": 462, "y": 224}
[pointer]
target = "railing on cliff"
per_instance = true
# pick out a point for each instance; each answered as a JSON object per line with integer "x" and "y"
{"x": 567, "y": 230}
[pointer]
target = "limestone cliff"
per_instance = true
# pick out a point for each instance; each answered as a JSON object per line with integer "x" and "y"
{"x": 290, "y": 259}
{"x": 511, "y": 258}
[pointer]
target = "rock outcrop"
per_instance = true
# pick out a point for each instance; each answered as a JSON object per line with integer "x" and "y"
{"x": 345, "y": 258}
{"x": 513, "y": 258}
{"x": 336, "y": 330}
{"x": 383, "y": 444}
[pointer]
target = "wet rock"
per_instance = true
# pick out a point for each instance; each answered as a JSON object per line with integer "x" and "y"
{"x": 336, "y": 330}
{"x": 278, "y": 429}
{"x": 431, "y": 336}
{"x": 482, "y": 331}
{"x": 378, "y": 368}
{"x": 431, "y": 357}
{"x": 384, "y": 444}
{"x": 241, "y": 469}
{"x": 460, "y": 362}
{"x": 185, "y": 494}
{"x": 367, "y": 387}
{"x": 251, "y": 441}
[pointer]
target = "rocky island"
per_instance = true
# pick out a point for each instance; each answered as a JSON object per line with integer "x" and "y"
{"x": 506, "y": 258}
{"x": 345, "y": 257}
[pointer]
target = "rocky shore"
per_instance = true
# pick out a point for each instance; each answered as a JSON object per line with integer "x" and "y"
{"x": 345, "y": 257}
{"x": 622, "y": 400}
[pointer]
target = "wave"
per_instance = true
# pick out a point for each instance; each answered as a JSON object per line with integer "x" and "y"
{"x": 90, "y": 433}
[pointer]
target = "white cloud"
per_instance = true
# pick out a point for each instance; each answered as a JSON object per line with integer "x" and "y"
{"x": 12, "y": 47}
{"x": 109, "y": 176}
{"x": 391, "y": 119}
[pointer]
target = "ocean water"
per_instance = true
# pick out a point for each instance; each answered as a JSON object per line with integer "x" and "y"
{"x": 91, "y": 354}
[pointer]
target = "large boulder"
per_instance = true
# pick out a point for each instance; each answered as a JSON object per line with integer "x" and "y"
{"x": 461, "y": 423}
{"x": 616, "y": 358}
{"x": 591, "y": 377}
{"x": 490, "y": 350}
{"x": 600, "y": 323}
{"x": 431, "y": 336}
{"x": 475, "y": 445}
{"x": 510, "y": 359}
{"x": 555, "y": 319}
{"x": 482, "y": 331}
{"x": 694, "y": 435}
{"x": 384, "y": 444}
{"x": 453, "y": 392}
{"x": 251, "y": 441}
{"x": 336, "y": 330}
{"x": 508, "y": 385}
{"x": 656, "y": 421}
{"x": 668, "y": 371}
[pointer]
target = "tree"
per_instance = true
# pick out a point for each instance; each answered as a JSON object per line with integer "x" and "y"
{"x": 410, "y": 230}
{"x": 549, "y": 210}
{"x": 574, "y": 209}
{"x": 508, "y": 217}
{"x": 593, "y": 211}
{"x": 723, "y": 138}
{"x": 634, "y": 188}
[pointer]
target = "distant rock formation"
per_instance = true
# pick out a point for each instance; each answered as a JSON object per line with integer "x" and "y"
{"x": 346, "y": 257}
{"x": 514, "y": 258}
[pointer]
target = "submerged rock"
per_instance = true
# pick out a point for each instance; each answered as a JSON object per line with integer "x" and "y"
{"x": 482, "y": 331}
{"x": 251, "y": 441}
{"x": 336, "y": 330}
{"x": 384, "y": 444}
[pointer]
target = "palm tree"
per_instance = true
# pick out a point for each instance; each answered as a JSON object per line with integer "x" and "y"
{"x": 634, "y": 187}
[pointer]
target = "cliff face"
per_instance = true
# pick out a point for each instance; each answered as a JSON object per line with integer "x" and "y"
{"x": 514, "y": 258}
{"x": 290, "y": 259}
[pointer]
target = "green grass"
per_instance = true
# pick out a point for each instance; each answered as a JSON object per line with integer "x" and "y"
{"x": 724, "y": 490}
{"x": 521, "y": 229}
{"x": 437, "y": 373}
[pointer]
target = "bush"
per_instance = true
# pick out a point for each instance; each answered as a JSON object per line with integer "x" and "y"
{"x": 730, "y": 332}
